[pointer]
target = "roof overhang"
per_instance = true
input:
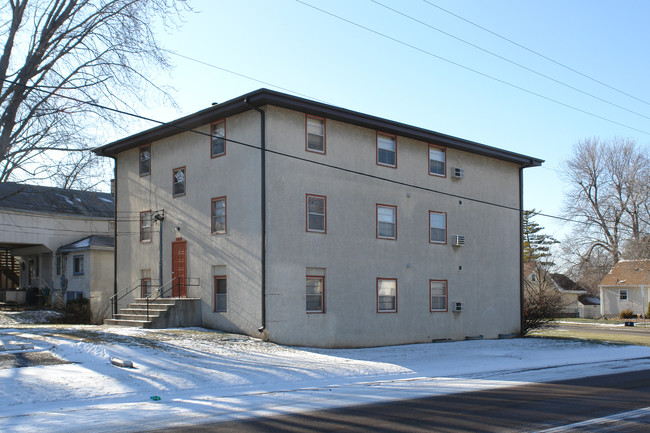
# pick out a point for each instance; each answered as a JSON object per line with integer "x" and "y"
{"x": 264, "y": 97}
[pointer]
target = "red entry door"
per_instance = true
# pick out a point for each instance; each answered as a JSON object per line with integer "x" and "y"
{"x": 179, "y": 269}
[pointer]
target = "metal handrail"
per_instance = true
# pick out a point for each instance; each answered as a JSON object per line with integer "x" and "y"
{"x": 124, "y": 292}
{"x": 173, "y": 283}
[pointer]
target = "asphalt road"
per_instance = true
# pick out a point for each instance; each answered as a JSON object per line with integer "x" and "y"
{"x": 601, "y": 329}
{"x": 534, "y": 407}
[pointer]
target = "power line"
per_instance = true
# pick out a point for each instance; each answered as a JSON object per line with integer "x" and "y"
{"x": 510, "y": 61}
{"x": 429, "y": 53}
{"x": 536, "y": 53}
{"x": 309, "y": 161}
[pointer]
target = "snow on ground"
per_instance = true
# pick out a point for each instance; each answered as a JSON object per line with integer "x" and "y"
{"x": 207, "y": 376}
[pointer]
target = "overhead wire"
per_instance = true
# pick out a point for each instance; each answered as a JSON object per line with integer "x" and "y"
{"x": 533, "y": 71}
{"x": 306, "y": 160}
{"x": 475, "y": 71}
{"x": 536, "y": 53}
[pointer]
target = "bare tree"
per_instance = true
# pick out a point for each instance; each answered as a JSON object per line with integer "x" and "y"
{"x": 542, "y": 300}
{"x": 62, "y": 62}
{"x": 609, "y": 194}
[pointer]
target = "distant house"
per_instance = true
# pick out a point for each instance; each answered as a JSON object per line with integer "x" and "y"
{"x": 626, "y": 287}
{"x": 568, "y": 290}
{"x": 310, "y": 224}
{"x": 49, "y": 243}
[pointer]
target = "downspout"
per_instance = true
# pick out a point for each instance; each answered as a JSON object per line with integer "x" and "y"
{"x": 115, "y": 234}
{"x": 263, "y": 208}
{"x": 521, "y": 246}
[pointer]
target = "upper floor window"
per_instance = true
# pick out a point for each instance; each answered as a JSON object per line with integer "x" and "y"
{"x": 315, "y": 134}
{"x": 438, "y": 295}
{"x": 437, "y": 227}
{"x": 145, "y": 226}
{"x": 316, "y": 213}
{"x": 179, "y": 181}
{"x": 386, "y": 221}
{"x": 220, "y": 294}
{"x": 314, "y": 292}
{"x": 218, "y": 138}
{"x": 386, "y": 150}
{"x": 218, "y": 215}
{"x": 437, "y": 161}
{"x": 145, "y": 160}
{"x": 386, "y": 295}
{"x": 78, "y": 265}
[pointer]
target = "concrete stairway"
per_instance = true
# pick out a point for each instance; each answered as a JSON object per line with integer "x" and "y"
{"x": 163, "y": 313}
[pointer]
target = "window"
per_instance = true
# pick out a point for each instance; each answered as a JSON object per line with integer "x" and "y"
{"x": 145, "y": 160}
{"x": 218, "y": 215}
{"x": 316, "y": 213}
{"x": 314, "y": 292}
{"x": 437, "y": 161}
{"x": 145, "y": 285}
{"x": 78, "y": 265}
{"x": 59, "y": 262}
{"x": 386, "y": 221}
{"x": 437, "y": 227}
{"x": 386, "y": 295}
{"x": 438, "y": 294}
{"x": 386, "y": 150}
{"x": 218, "y": 139}
{"x": 315, "y": 128}
{"x": 220, "y": 294}
{"x": 179, "y": 181}
{"x": 145, "y": 226}
{"x": 73, "y": 296}
{"x": 622, "y": 294}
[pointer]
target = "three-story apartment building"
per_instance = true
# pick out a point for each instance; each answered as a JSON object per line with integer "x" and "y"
{"x": 310, "y": 224}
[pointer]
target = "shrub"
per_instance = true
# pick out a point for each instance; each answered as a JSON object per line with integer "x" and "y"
{"x": 77, "y": 311}
{"x": 627, "y": 314}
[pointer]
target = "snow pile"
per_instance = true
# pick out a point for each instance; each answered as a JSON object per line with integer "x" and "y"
{"x": 204, "y": 376}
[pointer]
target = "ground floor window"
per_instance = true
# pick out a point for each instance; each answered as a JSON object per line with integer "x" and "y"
{"x": 78, "y": 265}
{"x": 386, "y": 295}
{"x": 622, "y": 294}
{"x": 314, "y": 292}
{"x": 438, "y": 293}
{"x": 220, "y": 294}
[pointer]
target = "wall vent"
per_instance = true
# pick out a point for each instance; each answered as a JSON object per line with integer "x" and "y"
{"x": 458, "y": 173}
{"x": 457, "y": 306}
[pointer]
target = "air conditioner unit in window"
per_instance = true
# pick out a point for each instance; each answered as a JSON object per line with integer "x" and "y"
{"x": 458, "y": 173}
{"x": 458, "y": 241}
{"x": 457, "y": 306}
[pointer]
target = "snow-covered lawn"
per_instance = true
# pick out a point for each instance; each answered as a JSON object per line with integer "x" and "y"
{"x": 204, "y": 376}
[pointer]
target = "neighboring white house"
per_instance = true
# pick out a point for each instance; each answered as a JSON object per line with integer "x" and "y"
{"x": 36, "y": 223}
{"x": 626, "y": 287}
{"x": 309, "y": 224}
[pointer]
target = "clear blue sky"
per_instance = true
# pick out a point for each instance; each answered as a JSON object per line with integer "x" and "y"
{"x": 294, "y": 48}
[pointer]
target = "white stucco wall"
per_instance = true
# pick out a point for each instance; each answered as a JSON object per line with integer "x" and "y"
{"x": 484, "y": 275}
{"x": 354, "y": 258}
{"x": 235, "y": 176}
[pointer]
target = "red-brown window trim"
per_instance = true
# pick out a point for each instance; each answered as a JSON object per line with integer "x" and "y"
{"x": 307, "y": 196}
{"x": 446, "y": 296}
{"x": 214, "y": 293}
{"x": 174, "y": 170}
{"x": 444, "y": 149}
{"x": 307, "y": 116}
{"x": 142, "y": 285}
{"x": 394, "y": 137}
{"x": 146, "y": 241}
{"x": 377, "y": 293}
{"x": 225, "y": 134}
{"x": 429, "y": 227}
{"x": 225, "y": 208}
{"x": 377, "y": 206}
{"x": 139, "y": 154}
{"x": 322, "y": 310}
